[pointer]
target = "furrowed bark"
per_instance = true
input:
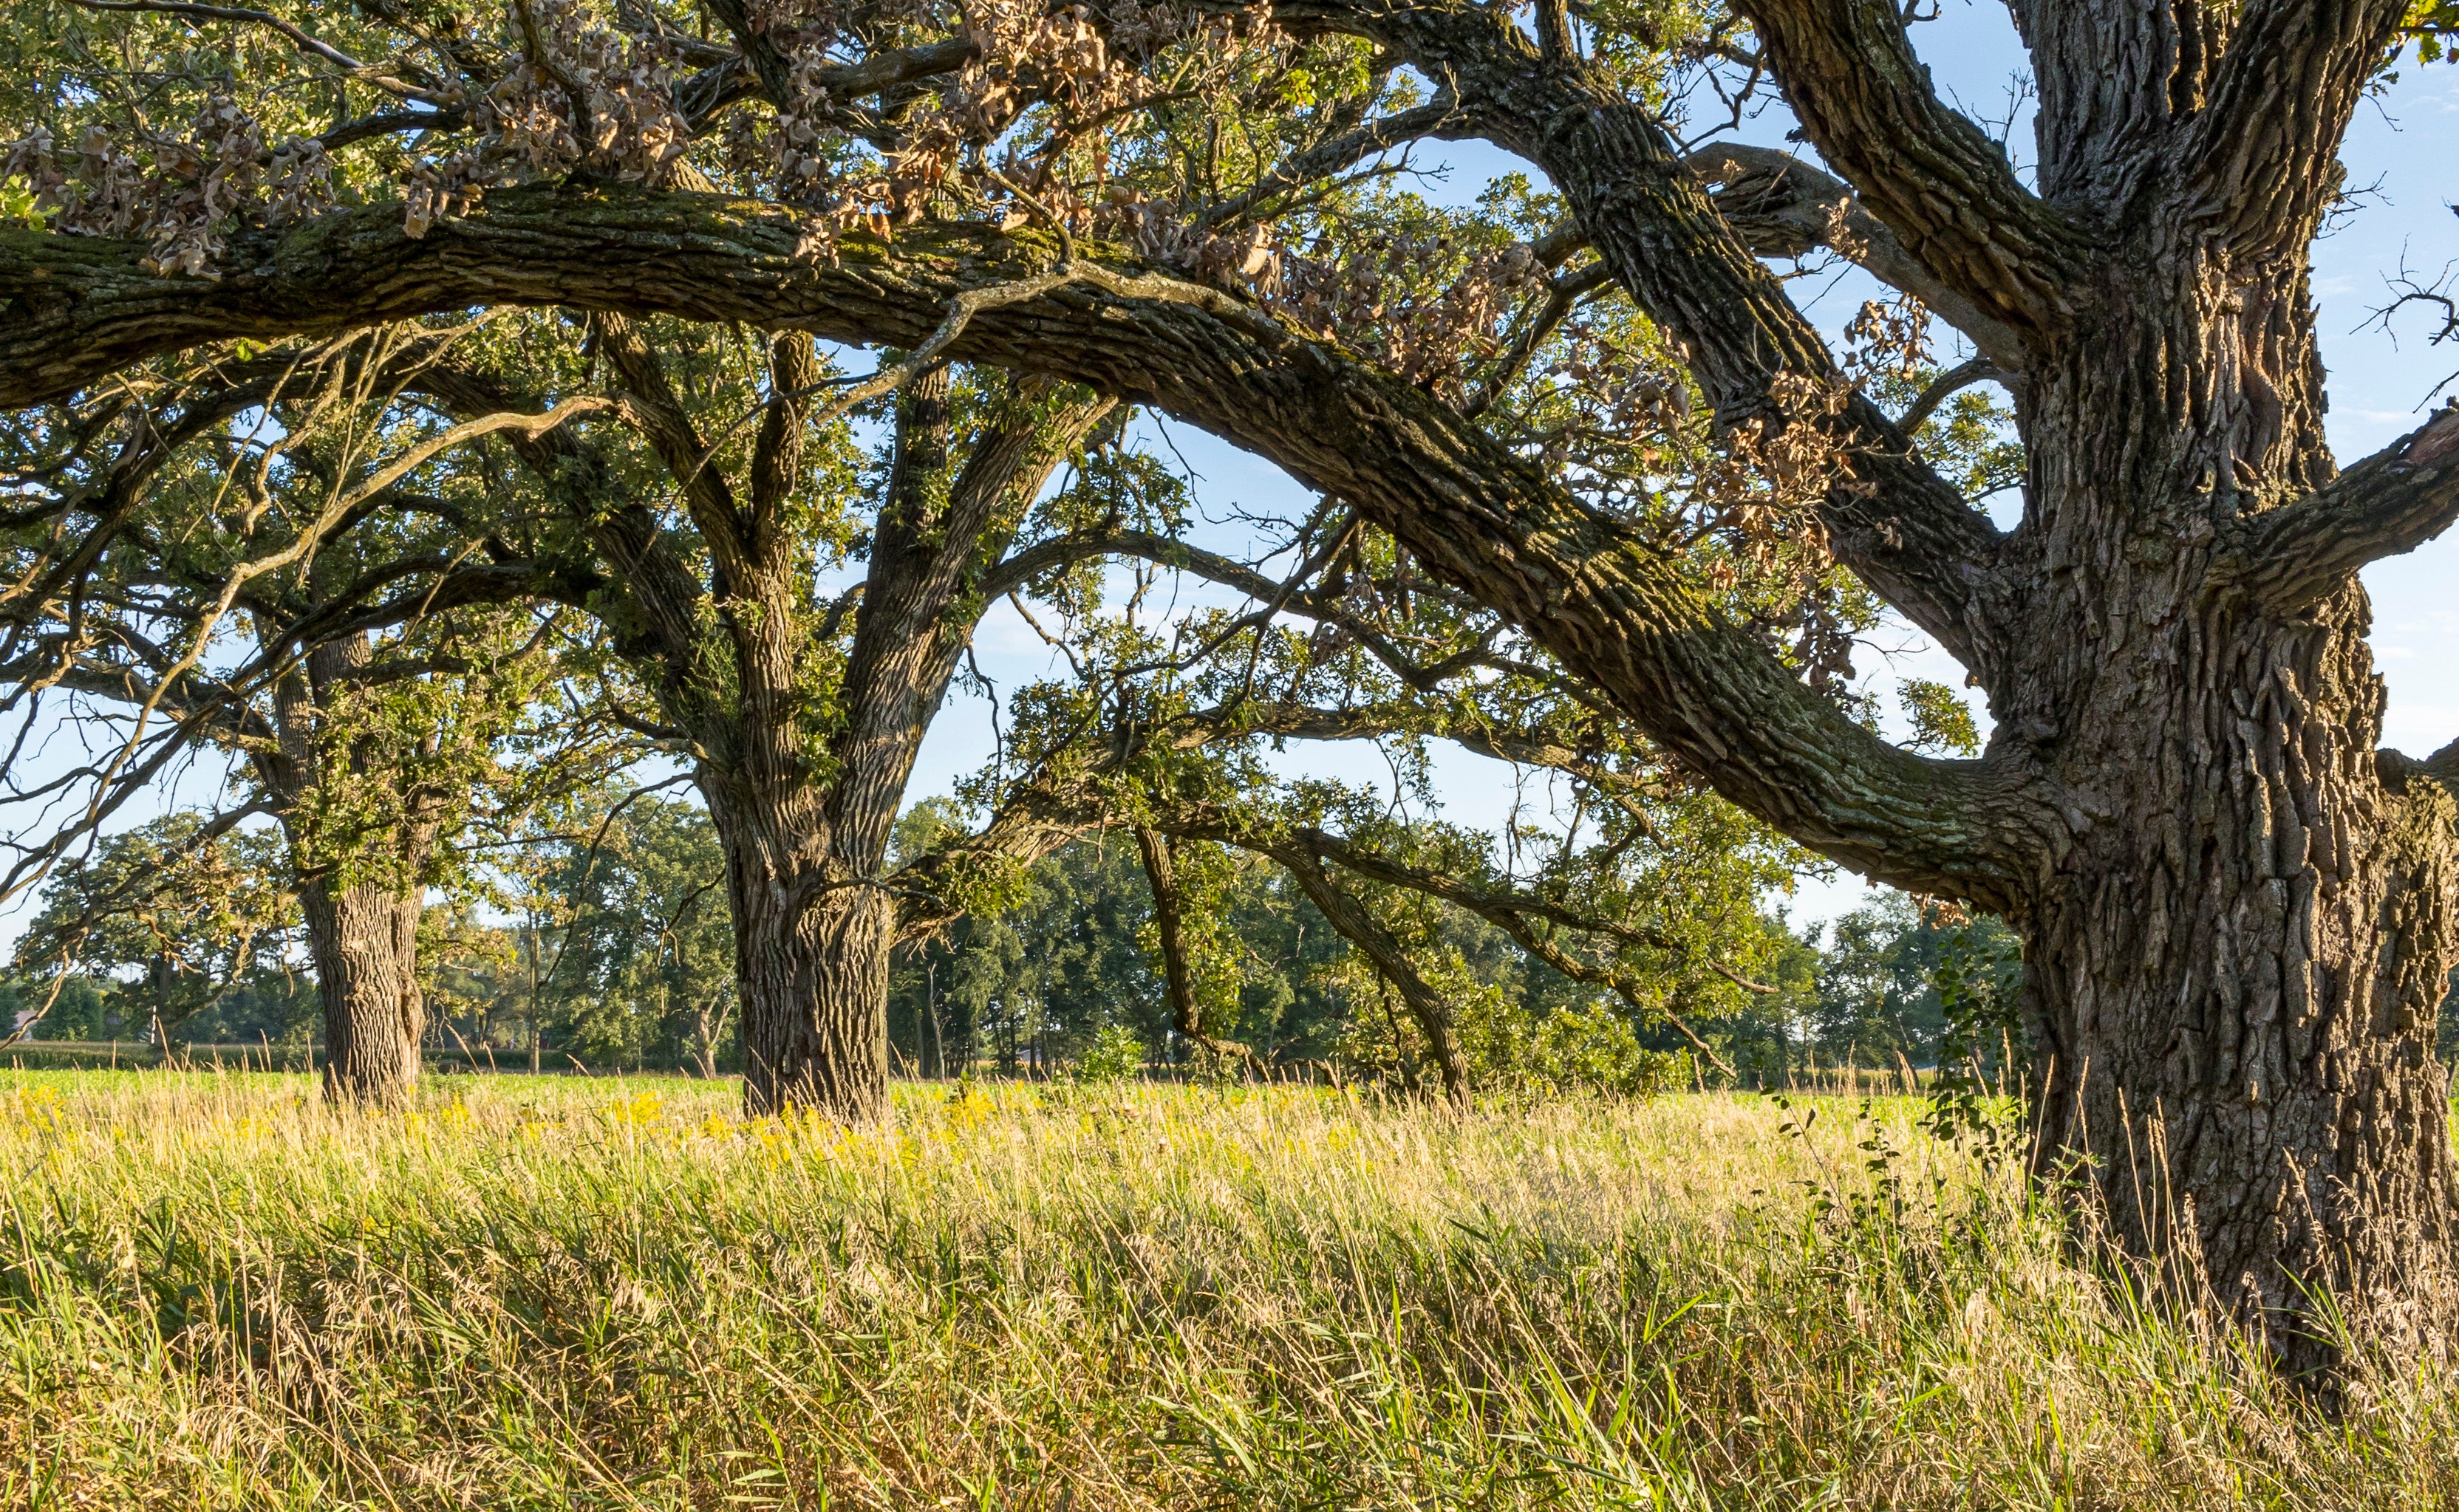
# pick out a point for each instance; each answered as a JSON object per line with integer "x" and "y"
{"x": 2237, "y": 964}
{"x": 2239, "y": 944}
{"x": 2254, "y": 163}
{"x": 1926, "y": 172}
{"x": 811, "y": 970}
{"x": 362, "y": 940}
{"x": 814, "y": 921}
{"x": 2114, "y": 76}
{"x": 2238, "y": 913}
{"x": 2394, "y": 501}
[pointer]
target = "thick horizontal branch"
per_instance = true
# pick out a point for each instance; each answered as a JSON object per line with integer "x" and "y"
{"x": 1611, "y": 609}
{"x": 2394, "y": 501}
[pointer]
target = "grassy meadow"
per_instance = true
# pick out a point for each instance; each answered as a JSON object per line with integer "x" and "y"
{"x": 559, "y": 1293}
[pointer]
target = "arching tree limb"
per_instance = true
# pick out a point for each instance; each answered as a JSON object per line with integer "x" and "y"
{"x": 1391, "y": 961}
{"x": 1609, "y": 608}
{"x": 1894, "y": 521}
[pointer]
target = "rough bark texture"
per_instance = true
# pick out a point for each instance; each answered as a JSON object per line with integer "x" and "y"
{"x": 2237, "y": 962}
{"x": 806, "y": 851}
{"x": 2240, "y": 923}
{"x": 812, "y": 974}
{"x": 2236, "y": 957}
{"x": 813, "y": 926}
{"x": 364, "y": 942}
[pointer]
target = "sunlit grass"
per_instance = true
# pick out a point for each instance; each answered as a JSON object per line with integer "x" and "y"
{"x": 556, "y": 1293}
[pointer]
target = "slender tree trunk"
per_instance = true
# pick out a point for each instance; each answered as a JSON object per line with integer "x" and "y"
{"x": 938, "y": 1035}
{"x": 1170, "y": 926}
{"x": 364, "y": 944}
{"x": 1391, "y": 961}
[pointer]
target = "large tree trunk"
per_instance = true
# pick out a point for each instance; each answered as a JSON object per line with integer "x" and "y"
{"x": 362, "y": 936}
{"x": 814, "y": 986}
{"x": 364, "y": 941}
{"x": 813, "y": 925}
{"x": 2236, "y": 964}
{"x": 814, "y": 919}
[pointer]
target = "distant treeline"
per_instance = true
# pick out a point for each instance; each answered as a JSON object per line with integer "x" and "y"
{"x": 616, "y": 952}
{"x": 616, "y": 955}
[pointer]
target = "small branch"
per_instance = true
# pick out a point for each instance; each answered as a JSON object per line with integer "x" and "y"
{"x": 1945, "y": 386}
{"x": 214, "y": 12}
{"x": 1391, "y": 961}
{"x": 1565, "y": 293}
{"x": 1331, "y": 157}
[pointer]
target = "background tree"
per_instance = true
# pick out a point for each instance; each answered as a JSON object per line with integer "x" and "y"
{"x": 275, "y": 559}
{"x": 801, "y": 708}
{"x": 635, "y": 957}
{"x": 183, "y": 913}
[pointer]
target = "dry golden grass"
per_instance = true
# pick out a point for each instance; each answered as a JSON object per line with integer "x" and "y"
{"x": 554, "y": 1292}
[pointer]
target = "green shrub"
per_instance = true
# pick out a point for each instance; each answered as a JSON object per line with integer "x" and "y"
{"x": 1115, "y": 1055}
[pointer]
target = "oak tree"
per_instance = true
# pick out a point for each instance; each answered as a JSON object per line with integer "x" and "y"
{"x": 2237, "y": 910}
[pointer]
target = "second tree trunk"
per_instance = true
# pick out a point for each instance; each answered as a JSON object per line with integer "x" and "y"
{"x": 814, "y": 982}
{"x": 364, "y": 944}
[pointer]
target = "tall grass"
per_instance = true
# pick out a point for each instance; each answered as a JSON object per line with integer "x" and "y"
{"x": 555, "y": 1293}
